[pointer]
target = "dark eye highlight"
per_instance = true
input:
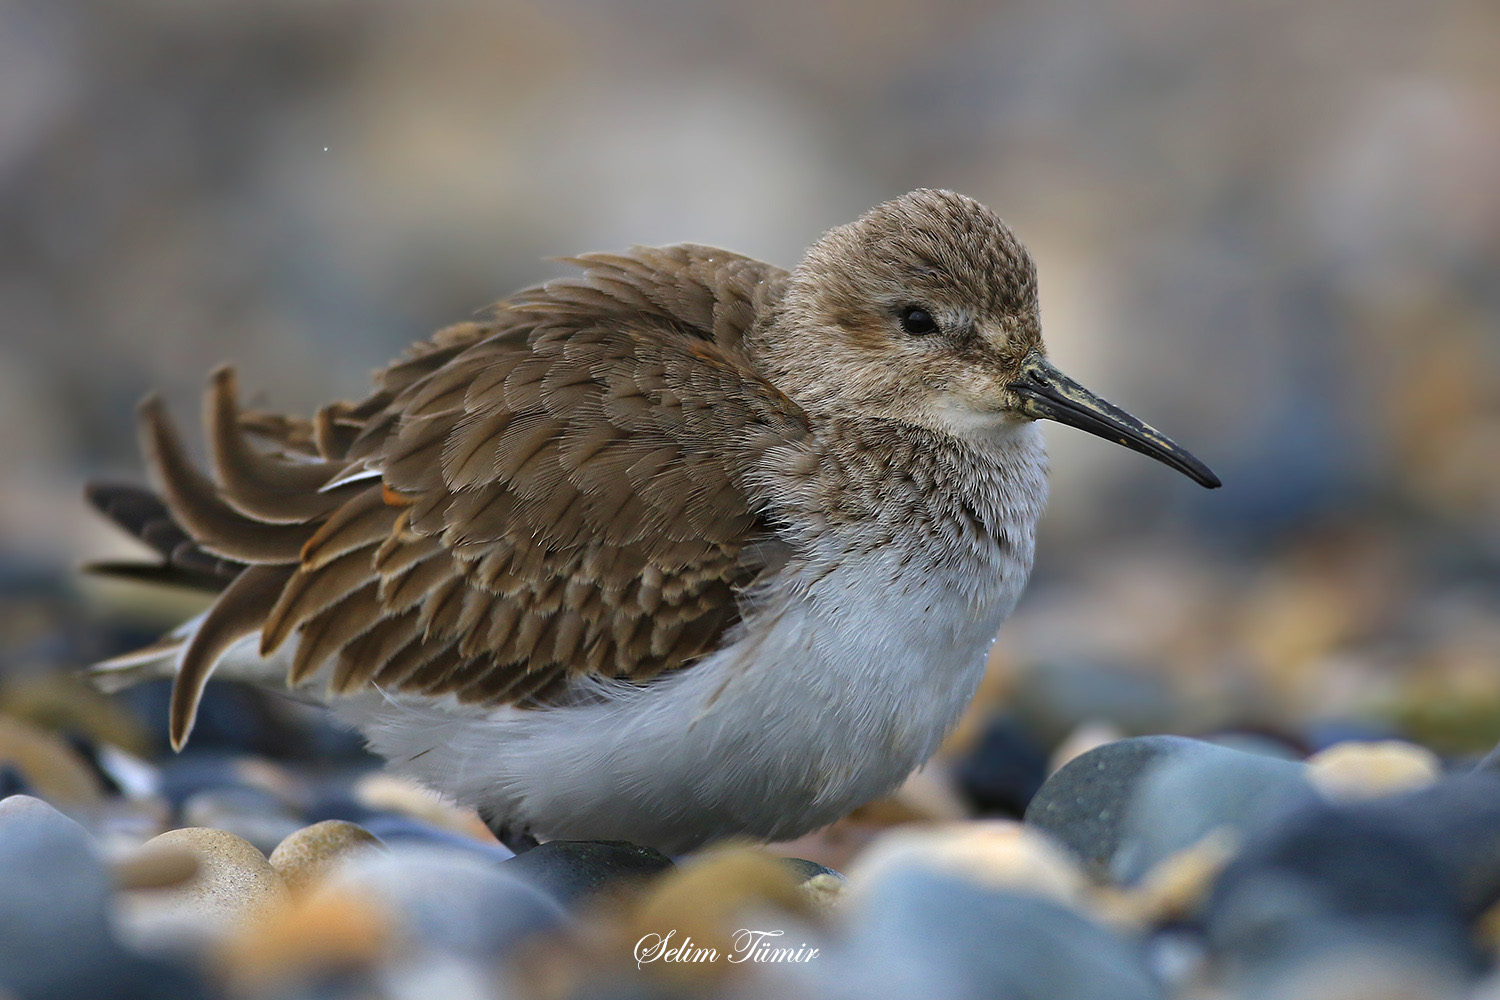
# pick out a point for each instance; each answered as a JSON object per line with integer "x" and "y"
{"x": 918, "y": 321}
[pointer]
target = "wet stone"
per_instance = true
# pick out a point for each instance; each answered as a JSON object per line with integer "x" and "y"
{"x": 574, "y": 870}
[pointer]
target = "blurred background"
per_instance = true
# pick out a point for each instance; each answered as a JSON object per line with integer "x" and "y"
{"x": 1271, "y": 228}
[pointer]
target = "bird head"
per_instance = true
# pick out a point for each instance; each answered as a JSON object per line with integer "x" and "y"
{"x": 924, "y": 310}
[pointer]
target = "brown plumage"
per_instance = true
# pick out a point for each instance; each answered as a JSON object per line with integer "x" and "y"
{"x": 735, "y": 538}
{"x": 559, "y": 494}
{"x": 589, "y": 480}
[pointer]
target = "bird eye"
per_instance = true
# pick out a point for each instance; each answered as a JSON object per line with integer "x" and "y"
{"x": 918, "y": 321}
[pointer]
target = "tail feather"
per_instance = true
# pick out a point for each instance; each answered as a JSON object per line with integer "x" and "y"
{"x": 239, "y": 611}
{"x": 149, "y": 663}
{"x": 241, "y": 533}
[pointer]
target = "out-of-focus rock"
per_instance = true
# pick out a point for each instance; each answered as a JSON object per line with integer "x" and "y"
{"x": 234, "y": 885}
{"x": 308, "y": 854}
{"x": 573, "y": 871}
{"x": 1353, "y": 770}
{"x": 997, "y": 854}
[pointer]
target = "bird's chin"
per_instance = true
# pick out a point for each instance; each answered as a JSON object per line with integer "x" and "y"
{"x": 973, "y": 423}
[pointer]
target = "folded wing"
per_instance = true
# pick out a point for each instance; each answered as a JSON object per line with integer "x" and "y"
{"x": 562, "y": 489}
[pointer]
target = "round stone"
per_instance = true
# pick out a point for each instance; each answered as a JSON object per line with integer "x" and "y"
{"x": 1082, "y": 805}
{"x": 1360, "y": 770}
{"x": 999, "y": 854}
{"x": 307, "y": 855}
{"x": 926, "y": 933}
{"x": 575, "y": 870}
{"x": 449, "y": 900}
{"x": 234, "y": 885}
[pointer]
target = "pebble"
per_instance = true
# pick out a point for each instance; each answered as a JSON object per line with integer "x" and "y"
{"x": 1089, "y": 736}
{"x": 1353, "y": 770}
{"x": 308, "y": 854}
{"x": 58, "y": 941}
{"x": 823, "y": 886}
{"x": 155, "y": 866}
{"x": 405, "y": 830}
{"x": 234, "y": 885}
{"x": 320, "y": 933}
{"x": 47, "y": 765}
{"x": 708, "y": 899}
{"x": 998, "y": 854}
{"x": 1003, "y": 770}
{"x": 384, "y": 792}
{"x": 1202, "y": 789}
{"x": 450, "y": 900}
{"x": 1082, "y": 805}
{"x": 573, "y": 871}
{"x": 1330, "y": 877}
{"x": 65, "y": 703}
{"x": 925, "y": 933}
{"x": 187, "y": 774}
{"x": 54, "y": 903}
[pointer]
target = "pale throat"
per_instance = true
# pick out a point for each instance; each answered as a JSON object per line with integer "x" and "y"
{"x": 951, "y": 414}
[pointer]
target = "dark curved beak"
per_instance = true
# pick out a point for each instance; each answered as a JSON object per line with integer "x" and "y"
{"x": 1048, "y": 394}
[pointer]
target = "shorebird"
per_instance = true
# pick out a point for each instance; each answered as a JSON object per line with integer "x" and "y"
{"x": 681, "y": 547}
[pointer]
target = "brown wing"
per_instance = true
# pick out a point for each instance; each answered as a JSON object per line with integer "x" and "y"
{"x": 562, "y": 489}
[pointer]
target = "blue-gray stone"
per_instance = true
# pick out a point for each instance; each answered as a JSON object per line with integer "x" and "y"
{"x": 56, "y": 942}
{"x": 1335, "y": 878}
{"x": 1203, "y": 788}
{"x": 453, "y": 900}
{"x": 921, "y": 933}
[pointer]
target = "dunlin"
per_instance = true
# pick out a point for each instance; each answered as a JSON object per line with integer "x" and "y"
{"x": 681, "y": 547}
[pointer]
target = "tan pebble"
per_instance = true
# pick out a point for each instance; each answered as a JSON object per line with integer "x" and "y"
{"x": 155, "y": 867}
{"x": 326, "y": 931}
{"x": 823, "y": 891}
{"x": 1348, "y": 771}
{"x": 387, "y": 792}
{"x": 306, "y": 856}
{"x": 56, "y": 702}
{"x": 705, "y": 901}
{"x": 234, "y": 886}
{"x": 1002, "y": 854}
{"x": 55, "y": 770}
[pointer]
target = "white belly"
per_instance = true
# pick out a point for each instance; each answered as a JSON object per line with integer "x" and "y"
{"x": 829, "y": 697}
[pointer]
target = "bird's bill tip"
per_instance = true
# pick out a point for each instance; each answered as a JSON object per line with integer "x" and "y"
{"x": 1048, "y": 394}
